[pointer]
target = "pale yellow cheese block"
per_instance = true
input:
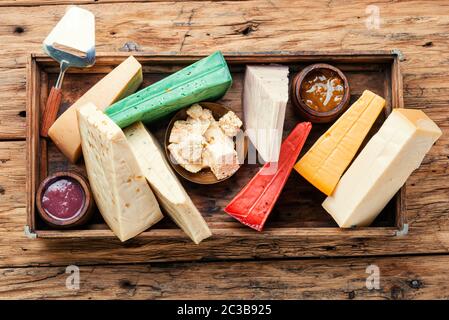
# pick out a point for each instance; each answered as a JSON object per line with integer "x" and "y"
{"x": 166, "y": 186}
{"x": 120, "y": 190}
{"x": 119, "y": 83}
{"x": 325, "y": 162}
{"x": 382, "y": 167}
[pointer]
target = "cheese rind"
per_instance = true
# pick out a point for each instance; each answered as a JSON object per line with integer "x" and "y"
{"x": 119, "y": 83}
{"x": 206, "y": 79}
{"x": 382, "y": 167}
{"x": 265, "y": 97}
{"x": 325, "y": 162}
{"x": 169, "y": 191}
{"x": 122, "y": 194}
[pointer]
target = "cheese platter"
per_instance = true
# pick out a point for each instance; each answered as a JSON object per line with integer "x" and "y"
{"x": 297, "y": 211}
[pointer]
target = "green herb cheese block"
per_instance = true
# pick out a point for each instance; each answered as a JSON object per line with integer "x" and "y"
{"x": 206, "y": 79}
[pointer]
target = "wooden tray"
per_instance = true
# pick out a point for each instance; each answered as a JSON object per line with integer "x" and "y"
{"x": 298, "y": 213}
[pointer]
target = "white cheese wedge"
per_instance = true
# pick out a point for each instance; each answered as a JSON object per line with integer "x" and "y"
{"x": 169, "y": 191}
{"x": 122, "y": 194}
{"x": 116, "y": 85}
{"x": 265, "y": 96}
{"x": 382, "y": 167}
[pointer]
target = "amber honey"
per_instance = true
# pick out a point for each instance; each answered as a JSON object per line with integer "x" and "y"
{"x": 322, "y": 90}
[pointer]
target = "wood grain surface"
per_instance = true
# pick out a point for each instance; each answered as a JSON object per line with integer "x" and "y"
{"x": 419, "y": 29}
{"x": 399, "y": 278}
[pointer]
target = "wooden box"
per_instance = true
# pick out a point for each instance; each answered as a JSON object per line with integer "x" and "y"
{"x": 298, "y": 214}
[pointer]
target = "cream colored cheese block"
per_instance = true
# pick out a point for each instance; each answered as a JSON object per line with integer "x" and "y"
{"x": 265, "y": 97}
{"x": 382, "y": 167}
{"x": 122, "y": 194}
{"x": 119, "y": 83}
{"x": 169, "y": 191}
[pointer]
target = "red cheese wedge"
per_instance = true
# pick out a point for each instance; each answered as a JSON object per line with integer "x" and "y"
{"x": 253, "y": 204}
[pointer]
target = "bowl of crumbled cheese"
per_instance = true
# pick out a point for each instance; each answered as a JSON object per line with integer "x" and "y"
{"x": 205, "y": 143}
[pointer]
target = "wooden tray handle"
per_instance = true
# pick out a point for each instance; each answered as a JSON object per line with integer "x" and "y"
{"x": 51, "y": 110}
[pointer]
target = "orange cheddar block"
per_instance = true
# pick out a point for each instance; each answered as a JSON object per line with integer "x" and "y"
{"x": 325, "y": 162}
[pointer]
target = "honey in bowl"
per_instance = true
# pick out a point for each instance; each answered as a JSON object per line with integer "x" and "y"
{"x": 320, "y": 93}
{"x": 322, "y": 90}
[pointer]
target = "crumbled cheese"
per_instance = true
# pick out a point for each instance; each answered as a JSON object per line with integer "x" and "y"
{"x": 202, "y": 142}
{"x": 191, "y": 148}
{"x": 214, "y": 133}
{"x": 180, "y": 129}
{"x": 230, "y": 124}
{"x": 222, "y": 159}
{"x": 199, "y": 125}
{"x": 195, "y": 111}
{"x": 207, "y": 115}
{"x": 175, "y": 151}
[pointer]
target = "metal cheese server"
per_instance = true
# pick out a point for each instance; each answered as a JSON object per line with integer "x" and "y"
{"x": 72, "y": 44}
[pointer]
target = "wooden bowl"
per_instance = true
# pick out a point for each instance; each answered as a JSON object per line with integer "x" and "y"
{"x": 86, "y": 210}
{"x": 204, "y": 176}
{"x": 310, "y": 114}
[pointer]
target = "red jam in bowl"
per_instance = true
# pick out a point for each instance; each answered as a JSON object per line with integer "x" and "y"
{"x": 63, "y": 198}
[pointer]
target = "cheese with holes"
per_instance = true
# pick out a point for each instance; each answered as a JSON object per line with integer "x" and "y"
{"x": 325, "y": 162}
{"x": 119, "y": 83}
{"x": 265, "y": 96}
{"x": 169, "y": 191}
{"x": 382, "y": 167}
{"x": 122, "y": 194}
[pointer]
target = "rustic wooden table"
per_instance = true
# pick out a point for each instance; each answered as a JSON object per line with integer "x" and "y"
{"x": 411, "y": 267}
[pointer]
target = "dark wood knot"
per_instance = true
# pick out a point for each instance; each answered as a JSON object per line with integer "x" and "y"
{"x": 19, "y": 30}
{"x": 248, "y": 28}
{"x": 415, "y": 284}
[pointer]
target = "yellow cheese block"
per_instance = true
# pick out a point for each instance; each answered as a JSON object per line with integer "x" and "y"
{"x": 324, "y": 164}
{"x": 119, "y": 83}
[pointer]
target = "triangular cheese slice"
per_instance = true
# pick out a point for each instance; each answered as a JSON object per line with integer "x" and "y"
{"x": 265, "y": 97}
{"x": 169, "y": 191}
{"x": 122, "y": 194}
{"x": 324, "y": 164}
{"x": 117, "y": 84}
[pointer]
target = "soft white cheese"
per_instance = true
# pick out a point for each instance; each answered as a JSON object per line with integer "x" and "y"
{"x": 265, "y": 96}
{"x": 382, "y": 167}
{"x": 192, "y": 147}
{"x": 169, "y": 191}
{"x": 200, "y": 142}
{"x": 230, "y": 124}
{"x": 176, "y": 152}
{"x": 180, "y": 129}
{"x": 221, "y": 158}
{"x": 121, "y": 192}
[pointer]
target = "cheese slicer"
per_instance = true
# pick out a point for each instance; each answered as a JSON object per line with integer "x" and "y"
{"x": 72, "y": 44}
